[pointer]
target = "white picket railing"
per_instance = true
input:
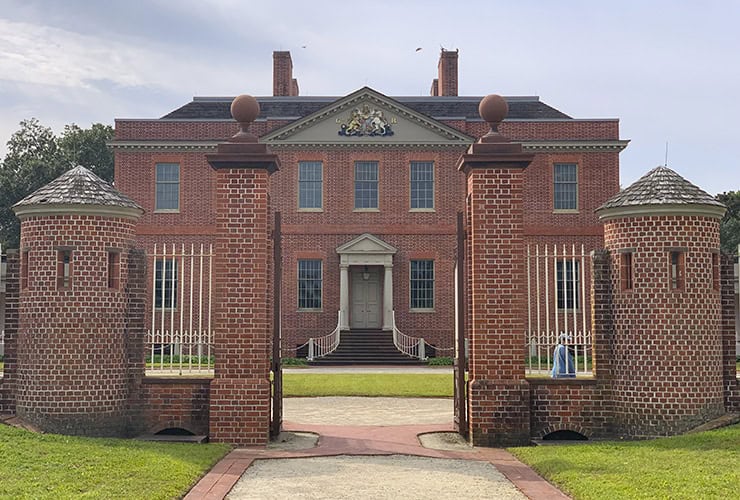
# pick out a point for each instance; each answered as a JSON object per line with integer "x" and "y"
{"x": 180, "y": 339}
{"x": 176, "y": 353}
{"x": 318, "y": 347}
{"x": 410, "y": 346}
{"x": 556, "y": 305}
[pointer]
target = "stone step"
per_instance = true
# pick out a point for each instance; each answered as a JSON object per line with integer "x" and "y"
{"x": 366, "y": 347}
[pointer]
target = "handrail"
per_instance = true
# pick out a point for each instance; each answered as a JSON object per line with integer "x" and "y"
{"x": 408, "y": 345}
{"x": 321, "y": 346}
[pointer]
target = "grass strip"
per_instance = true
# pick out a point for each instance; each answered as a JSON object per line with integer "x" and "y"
{"x": 59, "y": 467}
{"x": 703, "y": 465}
{"x": 415, "y": 385}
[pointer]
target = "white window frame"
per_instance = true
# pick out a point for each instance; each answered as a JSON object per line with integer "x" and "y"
{"x": 429, "y": 200}
{"x": 300, "y": 280}
{"x": 428, "y": 281}
{"x": 313, "y": 182}
{"x": 565, "y": 184}
{"x": 170, "y": 282}
{"x": 564, "y": 287}
{"x": 163, "y": 183}
{"x": 375, "y": 183}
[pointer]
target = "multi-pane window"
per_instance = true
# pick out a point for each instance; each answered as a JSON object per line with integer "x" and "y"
{"x": 309, "y": 284}
{"x": 310, "y": 184}
{"x": 422, "y": 184}
{"x": 168, "y": 186}
{"x": 165, "y": 284}
{"x": 568, "y": 284}
{"x": 566, "y": 186}
{"x": 366, "y": 184}
{"x": 422, "y": 284}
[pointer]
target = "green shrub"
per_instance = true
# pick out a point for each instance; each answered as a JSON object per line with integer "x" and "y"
{"x": 175, "y": 360}
{"x": 294, "y": 362}
{"x": 441, "y": 361}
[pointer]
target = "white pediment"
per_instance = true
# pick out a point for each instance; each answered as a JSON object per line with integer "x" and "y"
{"x": 366, "y": 117}
{"x": 366, "y": 244}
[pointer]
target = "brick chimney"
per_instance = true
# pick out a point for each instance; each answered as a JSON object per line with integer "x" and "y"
{"x": 447, "y": 80}
{"x": 283, "y": 83}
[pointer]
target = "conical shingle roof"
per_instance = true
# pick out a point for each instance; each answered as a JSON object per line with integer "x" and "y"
{"x": 661, "y": 191}
{"x": 78, "y": 188}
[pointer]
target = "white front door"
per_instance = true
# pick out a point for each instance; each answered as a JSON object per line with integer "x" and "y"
{"x": 365, "y": 299}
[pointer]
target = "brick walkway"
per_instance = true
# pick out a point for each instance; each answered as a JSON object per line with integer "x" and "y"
{"x": 369, "y": 440}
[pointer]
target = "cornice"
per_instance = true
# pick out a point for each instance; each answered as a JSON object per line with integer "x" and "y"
{"x": 276, "y": 146}
{"x": 536, "y": 146}
{"x": 165, "y": 145}
{"x": 26, "y": 211}
{"x": 529, "y": 146}
{"x": 712, "y": 211}
{"x": 210, "y": 146}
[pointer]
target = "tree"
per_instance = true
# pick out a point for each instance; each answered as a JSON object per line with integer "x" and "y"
{"x": 87, "y": 147}
{"x": 729, "y": 226}
{"x": 36, "y": 156}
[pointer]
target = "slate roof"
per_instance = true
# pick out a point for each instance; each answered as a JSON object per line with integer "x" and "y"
{"x": 660, "y": 186}
{"x": 78, "y": 186}
{"x": 218, "y": 108}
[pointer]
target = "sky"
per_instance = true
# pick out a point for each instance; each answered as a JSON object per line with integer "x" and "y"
{"x": 668, "y": 70}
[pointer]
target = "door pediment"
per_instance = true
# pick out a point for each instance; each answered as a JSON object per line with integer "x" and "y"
{"x": 366, "y": 250}
{"x": 366, "y": 244}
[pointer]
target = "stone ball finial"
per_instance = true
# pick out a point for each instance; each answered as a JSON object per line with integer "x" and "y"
{"x": 493, "y": 109}
{"x": 245, "y": 109}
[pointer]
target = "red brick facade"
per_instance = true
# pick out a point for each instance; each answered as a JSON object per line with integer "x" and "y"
{"x": 175, "y": 403}
{"x": 667, "y": 345}
{"x": 415, "y": 234}
{"x": 10, "y": 356}
{"x": 72, "y": 353}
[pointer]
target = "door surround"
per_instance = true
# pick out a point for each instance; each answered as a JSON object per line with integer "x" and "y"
{"x": 366, "y": 250}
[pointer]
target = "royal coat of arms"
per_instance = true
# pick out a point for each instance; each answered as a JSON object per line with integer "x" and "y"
{"x": 365, "y": 121}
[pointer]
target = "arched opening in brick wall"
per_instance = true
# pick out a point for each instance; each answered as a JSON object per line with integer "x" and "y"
{"x": 174, "y": 431}
{"x": 565, "y": 435}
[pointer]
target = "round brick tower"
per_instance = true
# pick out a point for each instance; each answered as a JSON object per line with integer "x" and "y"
{"x": 662, "y": 233}
{"x": 76, "y": 233}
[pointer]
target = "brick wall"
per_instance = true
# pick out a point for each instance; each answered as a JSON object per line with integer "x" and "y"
{"x": 582, "y": 406}
{"x": 10, "y": 370}
{"x": 202, "y": 130}
{"x": 240, "y": 391}
{"x": 667, "y": 347}
{"x": 731, "y": 385}
{"x": 72, "y": 365}
{"x": 498, "y": 395}
{"x": 134, "y": 325}
{"x": 414, "y": 233}
{"x": 175, "y": 403}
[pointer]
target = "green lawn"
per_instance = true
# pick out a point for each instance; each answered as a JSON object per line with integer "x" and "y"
{"x": 58, "y": 467}
{"x": 367, "y": 384}
{"x": 705, "y": 465}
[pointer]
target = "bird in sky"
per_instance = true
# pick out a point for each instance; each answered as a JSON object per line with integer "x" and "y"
{"x": 418, "y": 49}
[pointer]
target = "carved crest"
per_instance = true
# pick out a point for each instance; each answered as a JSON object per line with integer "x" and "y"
{"x": 366, "y": 121}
